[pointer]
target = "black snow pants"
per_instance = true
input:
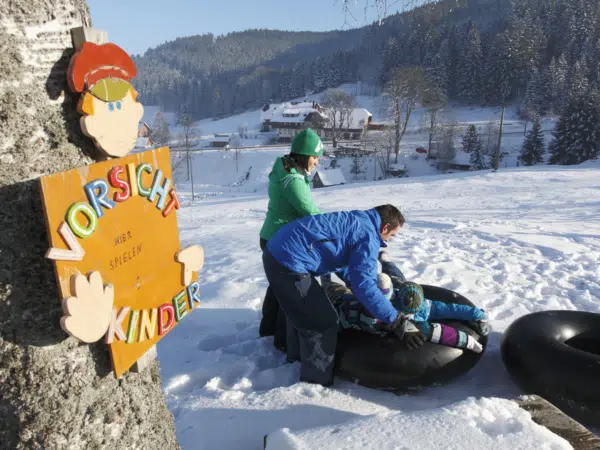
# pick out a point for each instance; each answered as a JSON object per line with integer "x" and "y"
{"x": 273, "y": 322}
{"x": 312, "y": 321}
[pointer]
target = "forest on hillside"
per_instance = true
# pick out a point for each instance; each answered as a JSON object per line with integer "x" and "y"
{"x": 483, "y": 52}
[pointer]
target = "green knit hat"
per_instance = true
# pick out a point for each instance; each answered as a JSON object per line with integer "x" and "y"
{"x": 307, "y": 142}
{"x": 409, "y": 298}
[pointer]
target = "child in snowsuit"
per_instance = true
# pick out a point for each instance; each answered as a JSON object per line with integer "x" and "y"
{"x": 408, "y": 299}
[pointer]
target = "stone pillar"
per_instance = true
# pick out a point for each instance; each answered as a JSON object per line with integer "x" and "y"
{"x": 55, "y": 393}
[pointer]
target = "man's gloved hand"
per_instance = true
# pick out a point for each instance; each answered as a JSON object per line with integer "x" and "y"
{"x": 398, "y": 325}
{"x": 413, "y": 336}
{"x": 482, "y": 324}
{"x": 414, "y": 340}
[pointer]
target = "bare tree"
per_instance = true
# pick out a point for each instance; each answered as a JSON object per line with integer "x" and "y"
{"x": 434, "y": 100}
{"x": 339, "y": 106}
{"x": 382, "y": 145}
{"x": 405, "y": 89}
{"x": 243, "y": 131}
{"x": 528, "y": 113}
{"x": 383, "y": 7}
{"x": 161, "y": 135}
{"x": 187, "y": 141}
{"x": 236, "y": 144}
{"x": 446, "y": 145}
{"x": 490, "y": 138}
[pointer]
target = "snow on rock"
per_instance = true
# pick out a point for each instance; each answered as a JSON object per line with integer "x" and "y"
{"x": 476, "y": 424}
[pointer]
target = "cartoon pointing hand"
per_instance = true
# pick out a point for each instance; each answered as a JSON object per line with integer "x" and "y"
{"x": 88, "y": 311}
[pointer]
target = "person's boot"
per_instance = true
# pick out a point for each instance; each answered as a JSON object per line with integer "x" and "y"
{"x": 318, "y": 356}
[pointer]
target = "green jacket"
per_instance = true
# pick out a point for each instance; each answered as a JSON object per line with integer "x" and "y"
{"x": 289, "y": 199}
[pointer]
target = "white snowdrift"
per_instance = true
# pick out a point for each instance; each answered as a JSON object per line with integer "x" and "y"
{"x": 471, "y": 424}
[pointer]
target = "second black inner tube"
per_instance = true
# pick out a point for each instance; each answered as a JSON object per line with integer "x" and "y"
{"x": 556, "y": 354}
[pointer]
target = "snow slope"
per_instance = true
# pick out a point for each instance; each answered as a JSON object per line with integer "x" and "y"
{"x": 514, "y": 242}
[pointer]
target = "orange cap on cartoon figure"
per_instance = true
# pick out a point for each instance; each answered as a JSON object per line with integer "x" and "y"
{"x": 94, "y": 62}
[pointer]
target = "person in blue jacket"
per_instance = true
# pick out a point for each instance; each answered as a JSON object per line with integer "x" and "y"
{"x": 320, "y": 244}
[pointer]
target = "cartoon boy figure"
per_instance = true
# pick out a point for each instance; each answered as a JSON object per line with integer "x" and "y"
{"x": 111, "y": 113}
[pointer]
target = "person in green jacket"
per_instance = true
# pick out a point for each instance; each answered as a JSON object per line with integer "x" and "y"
{"x": 289, "y": 198}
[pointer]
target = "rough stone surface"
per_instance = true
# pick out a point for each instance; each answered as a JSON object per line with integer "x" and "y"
{"x": 545, "y": 414}
{"x": 55, "y": 393}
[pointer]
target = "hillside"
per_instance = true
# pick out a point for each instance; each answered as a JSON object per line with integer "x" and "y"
{"x": 514, "y": 242}
{"x": 205, "y": 72}
{"x": 218, "y": 76}
{"x": 479, "y": 52}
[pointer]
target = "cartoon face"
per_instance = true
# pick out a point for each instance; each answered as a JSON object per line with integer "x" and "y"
{"x": 113, "y": 124}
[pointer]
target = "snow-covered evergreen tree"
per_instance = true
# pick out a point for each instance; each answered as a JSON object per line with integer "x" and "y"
{"x": 318, "y": 75}
{"x": 471, "y": 143}
{"x": 583, "y": 23}
{"x": 436, "y": 61}
{"x": 533, "y": 146}
{"x": 498, "y": 71}
{"x": 537, "y": 97}
{"x": 517, "y": 52}
{"x": 477, "y": 159}
{"x": 557, "y": 76}
{"x": 336, "y": 68}
{"x": 593, "y": 58}
{"x": 577, "y": 133}
{"x": 285, "y": 84}
{"x": 471, "y": 140}
{"x": 413, "y": 48}
{"x": 470, "y": 67}
{"x": 454, "y": 47}
{"x": 389, "y": 59}
{"x": 577, "y": 84}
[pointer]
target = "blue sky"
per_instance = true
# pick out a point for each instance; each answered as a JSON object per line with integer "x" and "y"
{"x": 137, "y": 25}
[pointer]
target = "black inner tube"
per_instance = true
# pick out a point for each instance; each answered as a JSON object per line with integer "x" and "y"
{"x": 556, "y": 355}
{"x": 384, "y": 362}
{"x": 585, "y": 343}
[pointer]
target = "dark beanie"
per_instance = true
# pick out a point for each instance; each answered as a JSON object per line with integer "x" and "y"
{"x": 409, "y": 297}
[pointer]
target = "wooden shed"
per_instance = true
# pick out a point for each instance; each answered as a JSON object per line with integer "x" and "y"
{"x": 325, "y": 178}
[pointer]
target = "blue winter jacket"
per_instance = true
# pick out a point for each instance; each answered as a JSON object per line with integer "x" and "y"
{"x": 332, "y": 242}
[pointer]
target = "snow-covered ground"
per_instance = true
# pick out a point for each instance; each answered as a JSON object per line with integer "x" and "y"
{"x": 487, "y": 423}
{"x": 514, "y": 242}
